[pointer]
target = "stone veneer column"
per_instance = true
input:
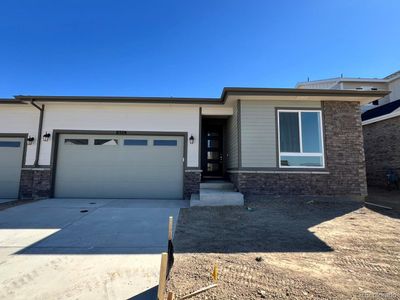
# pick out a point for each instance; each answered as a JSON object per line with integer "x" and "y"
{"x": 344, "y": 148}
{"x": 36, "y": 183}
{"x": 191, "y": 183}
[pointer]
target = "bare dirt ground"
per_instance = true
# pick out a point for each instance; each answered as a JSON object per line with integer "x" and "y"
{"x": 288, "y": 249}
{"x": 385, "y": 197}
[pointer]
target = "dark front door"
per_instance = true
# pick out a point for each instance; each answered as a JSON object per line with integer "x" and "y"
{"x": 212, "y": 151}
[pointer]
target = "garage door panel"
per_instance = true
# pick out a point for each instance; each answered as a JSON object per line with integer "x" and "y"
{"x": 11, "y": 154}
{"x": 130, "y": 167}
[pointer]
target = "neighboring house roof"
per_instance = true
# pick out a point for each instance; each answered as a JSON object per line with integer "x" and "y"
{"x": 383, "y": 112}
{"x": 228, "y": 91}
{"x": 393, "y": 76}
{"x": 386, "y": 79}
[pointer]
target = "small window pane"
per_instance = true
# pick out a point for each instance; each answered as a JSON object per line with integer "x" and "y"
{"x": 213, "y": 143}
{"x": 311, "y": 132}
{"x": 10, "y": 144}
{"x": 165, "y": 143}
{"x": 212, "y": 133}
{"x": 301, "y": 161}
{"x": 212, "y": 167}
{"x": 106, "y": 142}
{"x": 135, "y": 142}
{"x": 76, "y": 142}
{"x": 289, "y": 132}
{"x": 212, "y": 155}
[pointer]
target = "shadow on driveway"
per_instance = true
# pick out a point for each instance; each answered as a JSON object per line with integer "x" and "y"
{"x": 150, "y": 294}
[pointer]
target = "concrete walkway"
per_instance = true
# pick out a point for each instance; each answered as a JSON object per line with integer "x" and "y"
{"x": 6, "y": 200}
{"x": 83, "y": 249}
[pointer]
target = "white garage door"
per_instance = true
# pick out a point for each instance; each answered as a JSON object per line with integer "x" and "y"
{"x": 112, "y": 166}
{"x": 11, "y": 153}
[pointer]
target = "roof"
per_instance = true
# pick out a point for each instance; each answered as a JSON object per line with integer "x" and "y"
{"x": 227, "y": 91}
{"x": 386, "y": 79}
{"x": 10, "y": 101}
{"x": 380, "y": 110}
{"x": 393, "y": 75}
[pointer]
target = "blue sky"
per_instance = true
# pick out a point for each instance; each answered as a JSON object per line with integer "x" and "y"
{"x": 190, "y": 48}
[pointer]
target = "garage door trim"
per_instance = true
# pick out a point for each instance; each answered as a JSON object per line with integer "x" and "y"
{"x": 58, "y": 132}
{"x": 25, "y": 137}
{"x": 18, "y": 135}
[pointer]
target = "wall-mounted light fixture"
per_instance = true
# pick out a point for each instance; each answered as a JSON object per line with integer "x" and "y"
{"x": 191, "y": 139}
{"x": 46, "y": 136}
{"x": 30, "y": 140}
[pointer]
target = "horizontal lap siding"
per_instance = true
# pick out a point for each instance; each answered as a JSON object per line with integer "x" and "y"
{"x": 258, "y": 130}
{"x": 232, "y": 143}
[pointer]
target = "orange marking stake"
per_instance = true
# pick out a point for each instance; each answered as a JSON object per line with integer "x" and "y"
{"x": 215, "y": 273}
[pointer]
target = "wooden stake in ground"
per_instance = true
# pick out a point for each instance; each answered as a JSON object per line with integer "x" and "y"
{"x": 171, "y": 296}
{"x": 163, "y": 276}
{"x": 198, "y": 291}
{"x": 170, "y": 224}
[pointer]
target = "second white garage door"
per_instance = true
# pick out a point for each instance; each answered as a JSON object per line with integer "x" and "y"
{"x": 11, "y": 153}
{"x": 107, "y": 166}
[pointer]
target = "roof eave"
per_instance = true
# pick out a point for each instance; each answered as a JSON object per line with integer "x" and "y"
{"x": 11, "y": 101}
{"x": 227, "y": 91}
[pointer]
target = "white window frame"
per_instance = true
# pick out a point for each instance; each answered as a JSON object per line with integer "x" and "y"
{"x": 301, "y": 153}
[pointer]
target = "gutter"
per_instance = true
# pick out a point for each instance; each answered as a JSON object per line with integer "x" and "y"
{"x": 39, "y": 135}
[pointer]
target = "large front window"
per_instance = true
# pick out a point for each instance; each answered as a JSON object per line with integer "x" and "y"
{"x": 300, "y": 139}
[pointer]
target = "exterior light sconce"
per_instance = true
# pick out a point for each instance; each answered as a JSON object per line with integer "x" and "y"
{"x": 46, "y": 137}
{"x": 30, "y": 140}
{"x": 191, "y": 139}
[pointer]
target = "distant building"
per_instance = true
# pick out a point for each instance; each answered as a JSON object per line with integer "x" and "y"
{"x": 388, "y": 83}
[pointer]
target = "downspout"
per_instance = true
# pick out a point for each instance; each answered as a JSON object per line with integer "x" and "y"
{"x": 39, "y": 136}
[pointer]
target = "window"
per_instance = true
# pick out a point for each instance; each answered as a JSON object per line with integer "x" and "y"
{"x": 135, "y": 142}
{"x": 165, "y": 142}
{"x": 213, "y": 155}
{"x": 300, "y": 139}
{"x": 10, "y": 144}
{"x": 106, "y": 142}
{"x": 213, "y": 143}
{"x": 76, "y": 142}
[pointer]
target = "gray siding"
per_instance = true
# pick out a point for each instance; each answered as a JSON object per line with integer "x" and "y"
{"x": 258, "y": 132}
{"x": 233, "y": 140}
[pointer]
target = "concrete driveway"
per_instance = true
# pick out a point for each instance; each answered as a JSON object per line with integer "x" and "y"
{"x": 83, "y": 249}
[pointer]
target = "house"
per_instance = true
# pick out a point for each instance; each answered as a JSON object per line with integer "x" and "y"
{"x": 381, "y": 127}
{"x": 264, "y": 140}
{"x": 380, "y": 120}
{"x": 389, "y": 83}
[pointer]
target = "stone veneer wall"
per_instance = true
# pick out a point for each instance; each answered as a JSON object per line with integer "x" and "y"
{"x": 35, "y": 183}
{"x": 345, "y": 163}
{"x": 191, "y": 183}
{"x": 382, "y": 149}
